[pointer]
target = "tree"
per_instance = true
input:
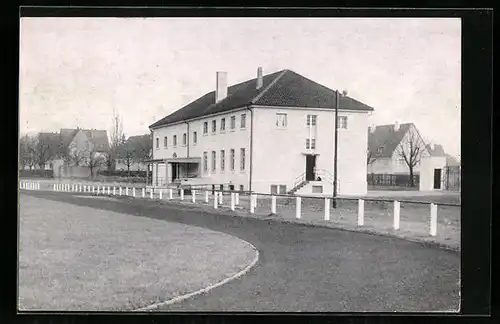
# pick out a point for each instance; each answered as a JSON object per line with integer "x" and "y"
{"x": 117, "y": 140}
{"x": 370, "y": 157}
{"x": 410, "y": 149}
{"x": 43, "y": 150}
{"x": 26, "y": 155}
{"x": 93, "y": 161}
{"x": 75, "y": 156}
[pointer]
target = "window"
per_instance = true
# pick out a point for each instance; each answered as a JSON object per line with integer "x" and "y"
{"x": 232, "y": 160}
{"x": 311, "y": 120}
{"x": 221, "y": 187}
{"x": 165, "y": 142}
{"x": 157, "y": 142}
{"x": 231, "y": 187}
{"x": 342, "y": 122}
{"x": 222, "y": 160}
{"x": 242, "y": 188}
{"x": 380, "y": 150}
{"x": 282, "y": 189}
{"x": 274, "y": 189}
{"x": 242, "y": 159}
{"x": 184, "y": 139}
{"x": 223, "y": 124}
{"x": 310, "y": 144}
{"x": 243, "y": 123}
{"x": 233, "y": 122}
{"x": 214, "y": 160}
{"x": 214, "y": 126}
{"x": 175, "y": 141}
{"x": 205, "y": 161}
{"x": 195, "y": 137}
{"x": 281, "y": 121}
{"x": 205, "y": 128}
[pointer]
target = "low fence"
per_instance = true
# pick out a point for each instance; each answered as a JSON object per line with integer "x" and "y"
{"x": 392, "y": 180}
{"x": 36, "y": 173}
{"x": 421, "y": 218}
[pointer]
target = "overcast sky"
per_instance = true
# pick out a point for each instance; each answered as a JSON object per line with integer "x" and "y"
{"x": 75, "y": 70}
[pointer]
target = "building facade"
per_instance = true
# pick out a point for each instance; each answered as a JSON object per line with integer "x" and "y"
{"x": 272, "y": 134}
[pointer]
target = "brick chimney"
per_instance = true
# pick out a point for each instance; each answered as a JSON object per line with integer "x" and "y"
{"x": 396, "y": 126}
{"x": 220, "y": 86}
{"x": 259, "y": 78}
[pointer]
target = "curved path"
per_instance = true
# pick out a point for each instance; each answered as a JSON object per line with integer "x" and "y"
{"x": 311, "y": 269}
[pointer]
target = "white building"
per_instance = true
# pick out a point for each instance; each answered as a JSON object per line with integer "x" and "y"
{"x": 274, "y": 133}
{"x": 385, "y": 144}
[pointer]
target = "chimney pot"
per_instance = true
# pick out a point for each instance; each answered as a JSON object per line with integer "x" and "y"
{"x": 396, "y": 126}
{"x": 259, "y": 78}
{"x": 220, "y": 86}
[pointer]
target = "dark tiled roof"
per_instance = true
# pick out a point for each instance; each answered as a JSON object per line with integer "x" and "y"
{"x": 135, "y": 145}
{"x": 98, "y": 137}
{"x": 283, "y": 88}
{"x": 451, "y": 161}
{"x": 437, "y": 151}
{"x": 387, "y": 138}
{"x": 53, "y": 140}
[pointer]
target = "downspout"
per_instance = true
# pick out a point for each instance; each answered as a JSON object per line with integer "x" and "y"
{"x": 251, "y": 150}
{"x": 187, "y": 137}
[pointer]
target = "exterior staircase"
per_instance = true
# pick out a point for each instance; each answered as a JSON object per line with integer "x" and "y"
{"x": 297, "y": 187}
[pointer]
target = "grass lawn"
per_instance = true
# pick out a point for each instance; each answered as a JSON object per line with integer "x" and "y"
{"x": 74, "y": 258}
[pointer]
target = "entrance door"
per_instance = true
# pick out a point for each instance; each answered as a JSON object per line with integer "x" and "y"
{"x": 310, "y": 165}
{"x": 174, "y": 171}
{"x": 437, "y": 178}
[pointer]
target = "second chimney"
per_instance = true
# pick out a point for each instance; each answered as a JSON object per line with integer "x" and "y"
{"x": 396, "y": 126}
{"x": 220, "y": 86}
{"x": 259, "y": 78}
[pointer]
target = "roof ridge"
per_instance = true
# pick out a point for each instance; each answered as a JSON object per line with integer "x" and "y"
{"x": 272, "y": 83}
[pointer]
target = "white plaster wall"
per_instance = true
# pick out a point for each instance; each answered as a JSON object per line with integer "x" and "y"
{"x": 221, "y": 140}
{"x": 427, "y": 167}
{"x": 279, "y": 153}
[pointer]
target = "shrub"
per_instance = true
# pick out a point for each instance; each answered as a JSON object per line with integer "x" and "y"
{"x": 36, "y": 173}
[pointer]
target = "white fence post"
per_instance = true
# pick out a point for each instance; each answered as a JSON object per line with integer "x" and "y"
{"x": 171, "y": 194}
{"x": 161, "y": 194}
{"x": 237, "y": 197}
{"x": 327, "y": 209}
{"x": 232, "y": 201}
{"x": 151, "y": 193}
{"x": 93, "y": 189}
{"x": 215, "y": 200}
{"x": 126, "y": 191}
{"x": 120, "y": 191}
{"x": 433, "y": 227}
{"x": 255, "y": 197}
{"x": 252, "y": 203}
{"x": 361, "y": 212}
{"x": 133, "y": 192}
{"x": 298, "y": 207}
{"x": 38, "y": 185}
{"x": 396, "y": 215}
{"x": 220, "y": 198}
{"x": 182, "y": 194}
{"x": 114, "y": 191}
{"x": 54, "y": 189}
{"x": 273, "y": 204}
{"x": 109, "y": 191}
{"x": 143, "y": 193}
{"x": 193, "y": 196}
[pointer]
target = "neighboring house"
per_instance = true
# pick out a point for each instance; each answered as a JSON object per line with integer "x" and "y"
{"x": 274, "y": 133}
{"x": 74, "y": 148}
{"x": 384, "y": 154}
{"x": 135, "y": 151}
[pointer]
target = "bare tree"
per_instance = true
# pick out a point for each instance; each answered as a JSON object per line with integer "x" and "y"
{"x": 117, "y": 140}
{"x": 42, "y": 150}
{"x": 75, "y": 156}
{"x": 93, "y": 161}
{"x": 370, "y": 157}
{"x": 410, "y": 150}
{"x": 26, "y": 148}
